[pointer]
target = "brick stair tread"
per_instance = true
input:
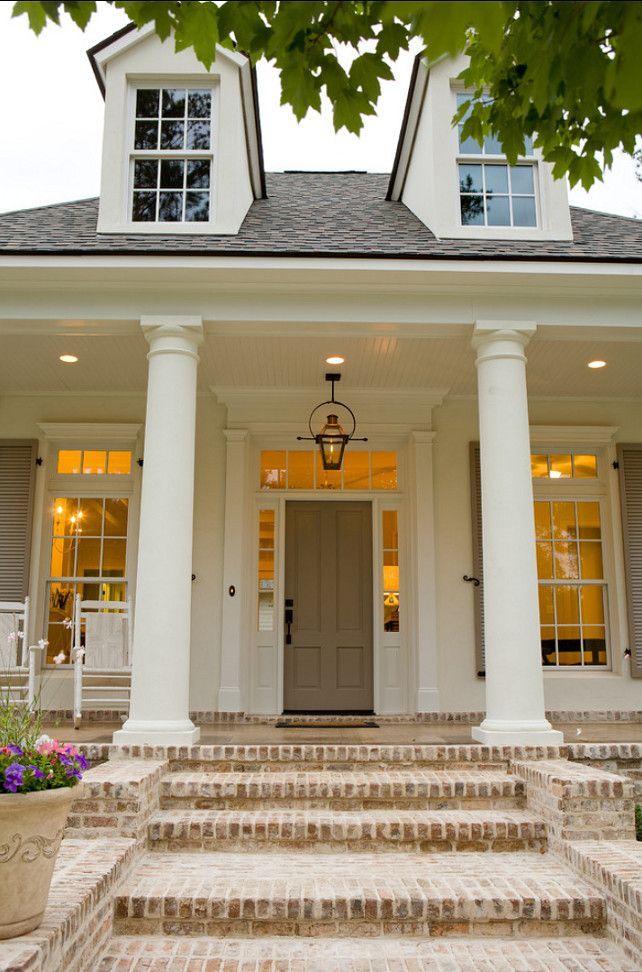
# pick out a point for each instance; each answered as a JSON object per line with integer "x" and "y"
{"x": 344, "y": 824}
{"x": 462, "y": 885}
{"x": 419, "y": 782}
{"x": 579, "y": 954}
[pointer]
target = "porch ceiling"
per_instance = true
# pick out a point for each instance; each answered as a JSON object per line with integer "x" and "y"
{"x": 117, "y": 364}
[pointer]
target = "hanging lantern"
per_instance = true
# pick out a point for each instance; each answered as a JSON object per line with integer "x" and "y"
{"x": 332, "y": 438}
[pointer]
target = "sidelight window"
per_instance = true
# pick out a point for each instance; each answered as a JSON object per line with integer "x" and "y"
{"x": 390, "y": 532}
{"x": 265, "y": 613}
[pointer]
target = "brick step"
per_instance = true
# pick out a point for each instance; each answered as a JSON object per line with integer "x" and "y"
{"x": 355, "y": 894}
{"x": 582, "y": 954}
{"x": 403, "y": 789}
{"x": 325, "y": 830}
{"x": 337, "y": 756}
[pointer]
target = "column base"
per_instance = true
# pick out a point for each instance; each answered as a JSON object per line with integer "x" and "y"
{"x": 157, "y": 732}
{"x": 495, "y": 732}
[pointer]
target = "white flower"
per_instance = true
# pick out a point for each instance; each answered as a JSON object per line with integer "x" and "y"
{"x": 59, "y": 658}
{"x": 21, "y": 635}
{"x": 68, "y": 623}
{"x": 43, "y": 739}
{"x": 11, "y": 637}
{"x": 80, "y": 652}
{"x": 43, "y": 643}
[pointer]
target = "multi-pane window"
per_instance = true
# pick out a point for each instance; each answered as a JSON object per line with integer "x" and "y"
{"x": 574, "y": 465}
{"x": 303, "y": 469}
{"x": 88, "y": 557}
{"x": 491, "y": 192}
{"x": 172, "y": 159}
{"x": 572, "y": 588}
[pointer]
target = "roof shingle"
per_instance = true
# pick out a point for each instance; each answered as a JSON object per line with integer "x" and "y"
{"x": 324, "y": 214}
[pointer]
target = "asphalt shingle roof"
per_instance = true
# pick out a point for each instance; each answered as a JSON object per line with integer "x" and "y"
{"x": 317, "y": 214}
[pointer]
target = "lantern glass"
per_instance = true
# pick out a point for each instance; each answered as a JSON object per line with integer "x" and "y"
{"x": 332, "y": 442}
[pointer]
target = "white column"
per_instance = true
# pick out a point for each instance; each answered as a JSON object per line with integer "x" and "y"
{"x": 514, "y": 682}
{"x": 427, "y": 695}
{"x": 235, "y": 606}
{"x": 159, "y": 711}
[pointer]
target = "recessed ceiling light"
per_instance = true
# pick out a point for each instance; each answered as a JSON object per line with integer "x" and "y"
{"x": 597, "y": 364}
{"x": 68, "y": 358}
{"x": 335, "y": 359}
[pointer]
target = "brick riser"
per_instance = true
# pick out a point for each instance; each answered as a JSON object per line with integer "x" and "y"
{"x": 327, "y": 832}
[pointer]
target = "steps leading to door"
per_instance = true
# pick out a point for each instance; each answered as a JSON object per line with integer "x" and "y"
{"x": 347, "y": 789}
{"x": 292, "y": 893}
{"x": 326, "y": 830}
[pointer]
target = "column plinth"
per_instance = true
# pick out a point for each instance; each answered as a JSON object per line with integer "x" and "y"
{"x": 515, "y": 711}
{"x": 159, "y": 710}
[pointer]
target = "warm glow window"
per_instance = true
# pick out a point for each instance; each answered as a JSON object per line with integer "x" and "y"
{"x": 172, "y": 157}
{"x": 491, "y": 192}
{"x": 88, "y": 557}
{"x": 303, "y": 469}
{"x": 390, "y": 532}
{"x": 265, "y": 597}
{"x": 94, "y": 462}
{"x": 572, "y": 587}
{"x": 564, "y": 465}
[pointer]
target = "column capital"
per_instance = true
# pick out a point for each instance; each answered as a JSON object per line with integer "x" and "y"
{"x": 518, "y": 331}
{"x": 236, "y": 435}
{"x": 156, "y": 326}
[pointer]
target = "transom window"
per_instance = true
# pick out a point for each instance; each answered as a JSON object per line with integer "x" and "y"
{"x": 88, "y": 557}
{"x": 493, "y": 193}
{"x": 172, "y": 159}
{"x": 94, "y": 462}
{"x": 303, "y": 469}
{"x": 574, "y": 465}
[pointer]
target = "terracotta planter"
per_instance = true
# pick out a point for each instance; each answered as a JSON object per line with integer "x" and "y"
{"x": 31, "y": 827}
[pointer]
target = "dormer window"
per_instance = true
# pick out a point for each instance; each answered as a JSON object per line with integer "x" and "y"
{"x": 491, "y": 192}
{"x": 171, "y": 161}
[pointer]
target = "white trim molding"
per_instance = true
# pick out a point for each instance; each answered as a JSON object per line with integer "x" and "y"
{"x": 90, "y": 431}
{"x": 572, "y": 435}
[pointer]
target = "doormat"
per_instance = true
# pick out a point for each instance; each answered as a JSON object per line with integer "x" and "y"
{"x": 335, "y": 724}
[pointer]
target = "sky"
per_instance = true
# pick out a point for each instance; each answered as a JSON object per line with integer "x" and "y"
{"x": 53, "y": 112}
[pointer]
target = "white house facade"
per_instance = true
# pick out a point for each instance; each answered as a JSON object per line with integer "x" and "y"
{"x": 480, "y": 551}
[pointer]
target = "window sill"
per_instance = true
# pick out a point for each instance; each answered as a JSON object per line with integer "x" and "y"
{"x": 211, "y": 228}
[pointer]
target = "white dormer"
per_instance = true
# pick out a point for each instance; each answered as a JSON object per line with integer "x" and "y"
{"x": 182, "y": 148}
{"x": 463, "y": 190}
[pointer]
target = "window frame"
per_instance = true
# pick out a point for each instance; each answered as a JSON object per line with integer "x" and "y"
{"x": 582, "y": 489}
{"x": 487, "y": 158}
{"x": 133, "y": 154}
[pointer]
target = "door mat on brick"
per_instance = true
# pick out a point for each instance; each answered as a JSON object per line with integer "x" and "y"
{"x": 322, "y": 724}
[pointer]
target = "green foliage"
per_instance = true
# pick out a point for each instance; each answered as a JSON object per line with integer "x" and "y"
{"x": 18, "y": 723}
{"x": 638, "y": 821}
{"x": 564, "y": 72}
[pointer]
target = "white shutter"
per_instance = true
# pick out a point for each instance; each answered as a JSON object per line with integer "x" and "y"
{"x": 630, "y": 463}
{"x": 478, "y": 558}
{"x": 17, "y": 480}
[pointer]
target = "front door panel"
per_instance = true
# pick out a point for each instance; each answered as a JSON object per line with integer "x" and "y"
{"x": 328, "y": 576}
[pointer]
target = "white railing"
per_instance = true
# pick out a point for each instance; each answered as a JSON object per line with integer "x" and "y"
{"x": 102, "y": 659}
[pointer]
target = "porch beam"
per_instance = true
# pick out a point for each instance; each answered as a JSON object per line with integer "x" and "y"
{"x": 515, "y": 710}
{"x": 159, "y": 711}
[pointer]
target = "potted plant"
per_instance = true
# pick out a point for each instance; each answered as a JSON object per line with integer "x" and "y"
{"x": 37, "y": 780}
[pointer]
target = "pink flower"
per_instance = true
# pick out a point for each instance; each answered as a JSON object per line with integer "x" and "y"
{"x": 47, "y": 746}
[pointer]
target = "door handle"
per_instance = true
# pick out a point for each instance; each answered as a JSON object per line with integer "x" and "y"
{"x": 289, "y": 619}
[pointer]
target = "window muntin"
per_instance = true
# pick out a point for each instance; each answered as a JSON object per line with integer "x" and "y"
{"x": 267, "y": 543}
{"x": 88, "y": 557}
{"x": 303, "y": 469}
{"x": 172, "y": 167}
{"x": 94, "y": 462}
{"x": 390, "y": 534}
{"x": 493, "y": 193}
{"x": 573, "y": 465}
{"x": 572, "y": 587}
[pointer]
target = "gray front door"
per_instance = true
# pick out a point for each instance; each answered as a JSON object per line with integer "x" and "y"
{"x": 328, "y": 577}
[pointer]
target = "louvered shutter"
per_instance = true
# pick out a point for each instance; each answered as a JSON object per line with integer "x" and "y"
{"x": 478, "y": 560}
{"x": 630, "y": 463}
{"x": 17, "y": 481}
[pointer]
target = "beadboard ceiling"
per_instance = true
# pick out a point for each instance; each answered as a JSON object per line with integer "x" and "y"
{"x": 118, "y": 364}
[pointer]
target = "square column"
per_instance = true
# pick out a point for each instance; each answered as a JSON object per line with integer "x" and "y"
{"x": 159, "y": 710}
{"x": 515, "y": 712}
